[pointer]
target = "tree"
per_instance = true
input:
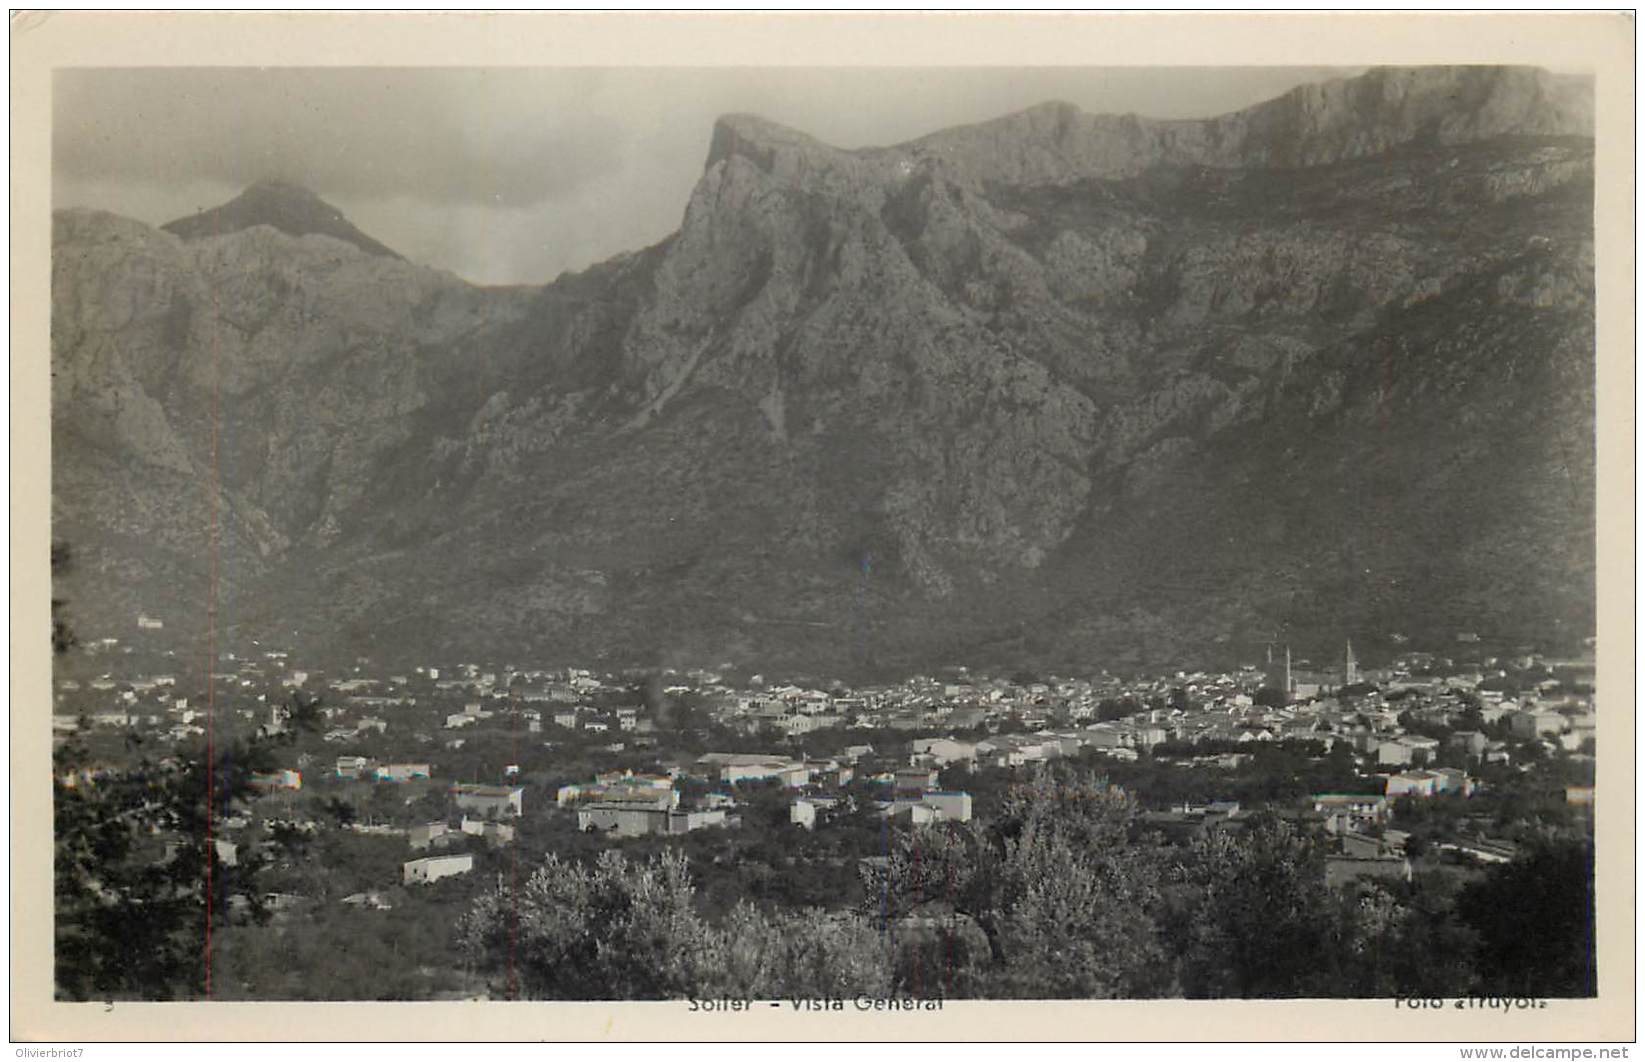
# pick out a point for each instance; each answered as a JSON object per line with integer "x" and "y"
{"x": 613, "y": 930}
{"x": 1062, "y": 898}
{"x": 1433, "y": 953}
{"x": 1535, "y": 920}
{"x": 811, "y": 954}
{"x": 341, "y": 811}
{"x": 139, "y": 885}
{"x": 303, "y": 715}
{"x": 1112, "y": 708}
{"x": 1263, "y": 924}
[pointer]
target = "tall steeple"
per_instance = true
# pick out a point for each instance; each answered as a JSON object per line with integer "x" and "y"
{"x": 1290, "y": 684}
{"x": 1350, "y": 666}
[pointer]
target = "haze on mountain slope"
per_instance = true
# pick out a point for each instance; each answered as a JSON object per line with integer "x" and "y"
{"x": 1058, "y": 389}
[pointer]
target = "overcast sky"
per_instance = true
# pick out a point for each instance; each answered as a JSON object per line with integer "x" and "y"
{"x": 515, "y": 175}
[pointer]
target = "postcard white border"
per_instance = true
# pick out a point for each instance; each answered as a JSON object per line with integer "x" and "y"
{"x": 1597, "y": 43}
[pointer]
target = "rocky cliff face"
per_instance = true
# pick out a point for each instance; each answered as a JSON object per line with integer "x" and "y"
{"x": 1057, "y": 388}
{"x": 254, "y": 380}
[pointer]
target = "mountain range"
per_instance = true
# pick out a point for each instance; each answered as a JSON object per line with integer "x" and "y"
{"x": 1055, "y": 390}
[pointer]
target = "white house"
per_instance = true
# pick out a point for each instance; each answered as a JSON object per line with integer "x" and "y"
{"x": 1351, "y": 811}
{"x": 949, "y": 806}
{"x": 626, "y": 818}
{"x": 942, "y": 751}
{"x": 1393, "y": 753}
{"x": 491, "y": 801}
{"x": 494, "y": 833}
{"x": 803, "y": 811}
{"x": 401, "y": 772}
{"x": 351, "y": 766}
{"x": 740, "y": 767}
{"x": 432, "y": 868}
{"x": 1412, "y": 783}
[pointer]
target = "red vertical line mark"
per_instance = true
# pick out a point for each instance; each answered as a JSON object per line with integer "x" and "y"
{"x": 919, "y": 958}
{"x": 947, "y": 939}
{"x": 886, "y": 943}
{"x": 514, "y": 858}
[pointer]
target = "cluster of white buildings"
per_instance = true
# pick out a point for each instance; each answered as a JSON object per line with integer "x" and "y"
{"x": 633, "y": 805}
{"x": 915, "y": 798}
{"x": 975, "y": 721}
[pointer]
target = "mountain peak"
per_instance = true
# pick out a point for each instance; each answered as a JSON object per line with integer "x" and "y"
{"x": 759, "y": 139}
{"x": 279, "y": 187}
{"x": 281, "y": 204}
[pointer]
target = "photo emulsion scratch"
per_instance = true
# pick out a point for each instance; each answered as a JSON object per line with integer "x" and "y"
{"x": 808, "y": 540}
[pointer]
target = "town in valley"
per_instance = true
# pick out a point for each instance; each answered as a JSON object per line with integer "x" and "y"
{"x": 378, "y": 802}
{"x": 1053, "y": 534}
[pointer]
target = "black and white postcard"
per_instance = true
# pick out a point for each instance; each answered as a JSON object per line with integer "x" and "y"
{"x": 781, "y": 525}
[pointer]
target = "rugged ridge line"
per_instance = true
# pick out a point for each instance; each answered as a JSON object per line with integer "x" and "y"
{"x": 1312, "y": 125}
{"x": 1051, "y": 389}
